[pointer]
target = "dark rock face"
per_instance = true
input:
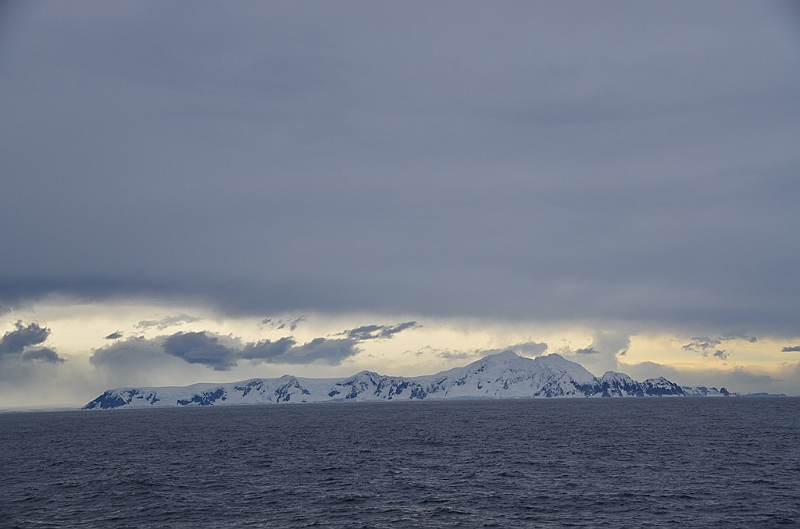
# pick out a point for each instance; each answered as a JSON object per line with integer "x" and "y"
{"x": 106, "y": 401}
{"x": 614, "y": 384}
{"x": 114, "y": 399}
{"x": 207, "y": 398}
{"x": 661, "y": 387}
{"x": 284, "y": 393}
{"x": 620, "y": 385}
{"x": 250, "y": 386}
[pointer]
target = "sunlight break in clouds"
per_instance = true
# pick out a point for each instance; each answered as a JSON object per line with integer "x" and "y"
{"x": 218, "y": 348}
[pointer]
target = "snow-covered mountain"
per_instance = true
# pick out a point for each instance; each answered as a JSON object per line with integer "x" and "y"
{"x": 702, "y": 391}
{"x": 504, "y": 375}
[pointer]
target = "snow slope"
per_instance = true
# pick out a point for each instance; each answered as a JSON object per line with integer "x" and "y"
{"x": 504, "y": 375}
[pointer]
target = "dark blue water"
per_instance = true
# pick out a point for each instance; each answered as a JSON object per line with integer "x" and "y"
{"x": 546, "y": 463}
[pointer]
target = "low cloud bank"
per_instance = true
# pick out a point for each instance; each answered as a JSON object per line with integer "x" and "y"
{"x": 529, "y": 348}
{"x": 223, "y": 353}
{"x": 742, "y": 380}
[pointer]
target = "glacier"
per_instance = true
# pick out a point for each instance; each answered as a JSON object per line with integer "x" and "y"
{"x": 501, "y": 376}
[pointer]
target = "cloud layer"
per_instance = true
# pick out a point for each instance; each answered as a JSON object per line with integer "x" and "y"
{"x": 222, "y": 353}
{"x": 555, "y": 161}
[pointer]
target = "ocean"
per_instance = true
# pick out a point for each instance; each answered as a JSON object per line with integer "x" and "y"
{"x": 648, "y": 462}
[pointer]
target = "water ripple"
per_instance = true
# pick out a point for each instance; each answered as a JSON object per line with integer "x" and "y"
{"x": 585, "y": 463}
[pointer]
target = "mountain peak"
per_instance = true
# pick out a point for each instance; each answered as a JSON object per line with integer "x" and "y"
{"x": 504, "y": 356}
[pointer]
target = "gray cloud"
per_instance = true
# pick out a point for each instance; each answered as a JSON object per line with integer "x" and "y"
{"x": 329, "y": 351}
{"x": 616, "y": 343}
{"x": 721, "y": 354}
{"x": 17, "y": 344}
{"x": 701, "y": 343}
{"x": 139, "y": 361}
{"x": 707, "y": 346}
{"x": 14, "y": 342}
{"x": 401, "y": 158}
{"x": 604, "y": 351}
{"x": 113, "y": 336}
{"x": 744, "y": 337}
{"x": 43, "y": 354}
{"x": 164, "y": 323}
{"x": 377, "y": 332}
{"x": 281, "y": 324}
{"x": 200, "y": 348}
{"x": 455, "y": 355}
{"x": 206, "y": 348}
{"x": 267, "y": 350}
{"x": 132, "y": 353}
{"x": 529, "y": 348}
{"x": 792, "y": 349}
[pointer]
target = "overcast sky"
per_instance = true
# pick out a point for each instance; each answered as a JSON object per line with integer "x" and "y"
{"x": 598, "y": 169}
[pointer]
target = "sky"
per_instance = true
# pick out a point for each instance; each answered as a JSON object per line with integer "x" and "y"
{"x": 215, "y": 191}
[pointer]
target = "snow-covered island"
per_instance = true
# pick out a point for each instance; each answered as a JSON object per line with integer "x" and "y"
{"x": 501, "y": 376}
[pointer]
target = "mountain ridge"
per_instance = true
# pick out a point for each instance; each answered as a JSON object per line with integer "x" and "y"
{"x": 503, "y": 375}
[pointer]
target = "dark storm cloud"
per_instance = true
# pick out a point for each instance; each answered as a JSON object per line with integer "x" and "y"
{"x": 200, "y": 348}
{"x": 14, "y": 342}
{"x": 792, "y": 349}
{"x": 556, "y": 160}
{"x": 377, "y": 332}
{"x": 113, "y": 336}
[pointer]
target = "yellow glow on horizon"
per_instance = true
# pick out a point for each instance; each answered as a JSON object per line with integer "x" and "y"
{"x": 80, "y": 328}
